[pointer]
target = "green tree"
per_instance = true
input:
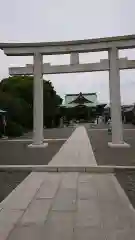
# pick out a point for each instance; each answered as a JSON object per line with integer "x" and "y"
{"x": 16, "y": 97}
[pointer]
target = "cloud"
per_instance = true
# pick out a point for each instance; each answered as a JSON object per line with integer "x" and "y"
{"x": 53, "y": 20}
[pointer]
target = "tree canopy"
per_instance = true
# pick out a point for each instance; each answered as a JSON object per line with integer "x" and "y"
{"x": 16, "y": 97}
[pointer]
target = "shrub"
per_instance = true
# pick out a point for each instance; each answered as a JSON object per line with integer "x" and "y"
{"x": 14, "y": 129}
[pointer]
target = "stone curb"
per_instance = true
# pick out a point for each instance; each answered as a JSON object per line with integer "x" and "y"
{"x": 31, "y": 140}
{"x": 46, "y": 168}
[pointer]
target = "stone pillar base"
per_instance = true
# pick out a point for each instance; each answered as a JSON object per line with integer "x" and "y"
{"x": 118, "y": 145}
{"x": 42, "y": 145}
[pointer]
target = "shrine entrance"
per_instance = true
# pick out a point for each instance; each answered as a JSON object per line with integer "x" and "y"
{"x": 113, "y": 65}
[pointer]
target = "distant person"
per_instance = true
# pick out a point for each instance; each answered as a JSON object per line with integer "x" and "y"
{"x": 109, "y": 125}
{"x": 109, "y": 121}
{"x": 1, "y": 127}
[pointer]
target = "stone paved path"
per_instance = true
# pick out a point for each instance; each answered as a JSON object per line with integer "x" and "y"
{"x": 69, "y": 206}
{"x": 76, "y": 151}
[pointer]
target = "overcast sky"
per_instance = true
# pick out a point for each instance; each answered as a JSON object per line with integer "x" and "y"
{"x": 55, "y": 20}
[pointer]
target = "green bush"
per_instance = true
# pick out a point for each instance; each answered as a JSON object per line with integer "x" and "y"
{"x": 0, "y": 134}
{"x": 14, "y": 129}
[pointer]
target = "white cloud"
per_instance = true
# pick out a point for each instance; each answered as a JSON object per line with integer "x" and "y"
{"x": 53, "y": 20}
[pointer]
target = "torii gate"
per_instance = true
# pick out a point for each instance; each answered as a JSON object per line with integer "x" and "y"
{"x": 113, "y": 65}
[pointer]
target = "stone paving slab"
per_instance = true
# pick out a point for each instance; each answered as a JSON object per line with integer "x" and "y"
{"x": 88, "y": 214}
{"x": 29, "y": 232}
{"x": 77, "y": 151}
{"x": 62, "y": 224}
{"x": 83, "y": 210}
{"x": 121, "y": 235}
{"x": 37, "y": 212}
{"x": 86, "y": 191}
{"x": 17, "y": 200}
{"x": 49, "y": 187}
{"x": 8, "y": 219}
{"x": 88, "y": 233}
{"x": 69, "y": 180}
{"x": 65, "y": 200}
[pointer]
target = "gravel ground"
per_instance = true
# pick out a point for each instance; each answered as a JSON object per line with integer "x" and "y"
{"x": 18, "y": 153}
{"x": 127, "y": 182}
{"x": 112, "y": 156}
{"x": 54, "y": 133}
{"x": 9, "y": 181}
{"x": 105, "y": 126}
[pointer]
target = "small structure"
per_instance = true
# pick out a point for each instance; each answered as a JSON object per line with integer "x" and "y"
{"x": 128, "y": 114}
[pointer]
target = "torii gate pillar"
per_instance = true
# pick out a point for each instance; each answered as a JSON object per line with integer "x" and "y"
{"x": 115, "y": 101}
{"x": 38, "y": 136}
